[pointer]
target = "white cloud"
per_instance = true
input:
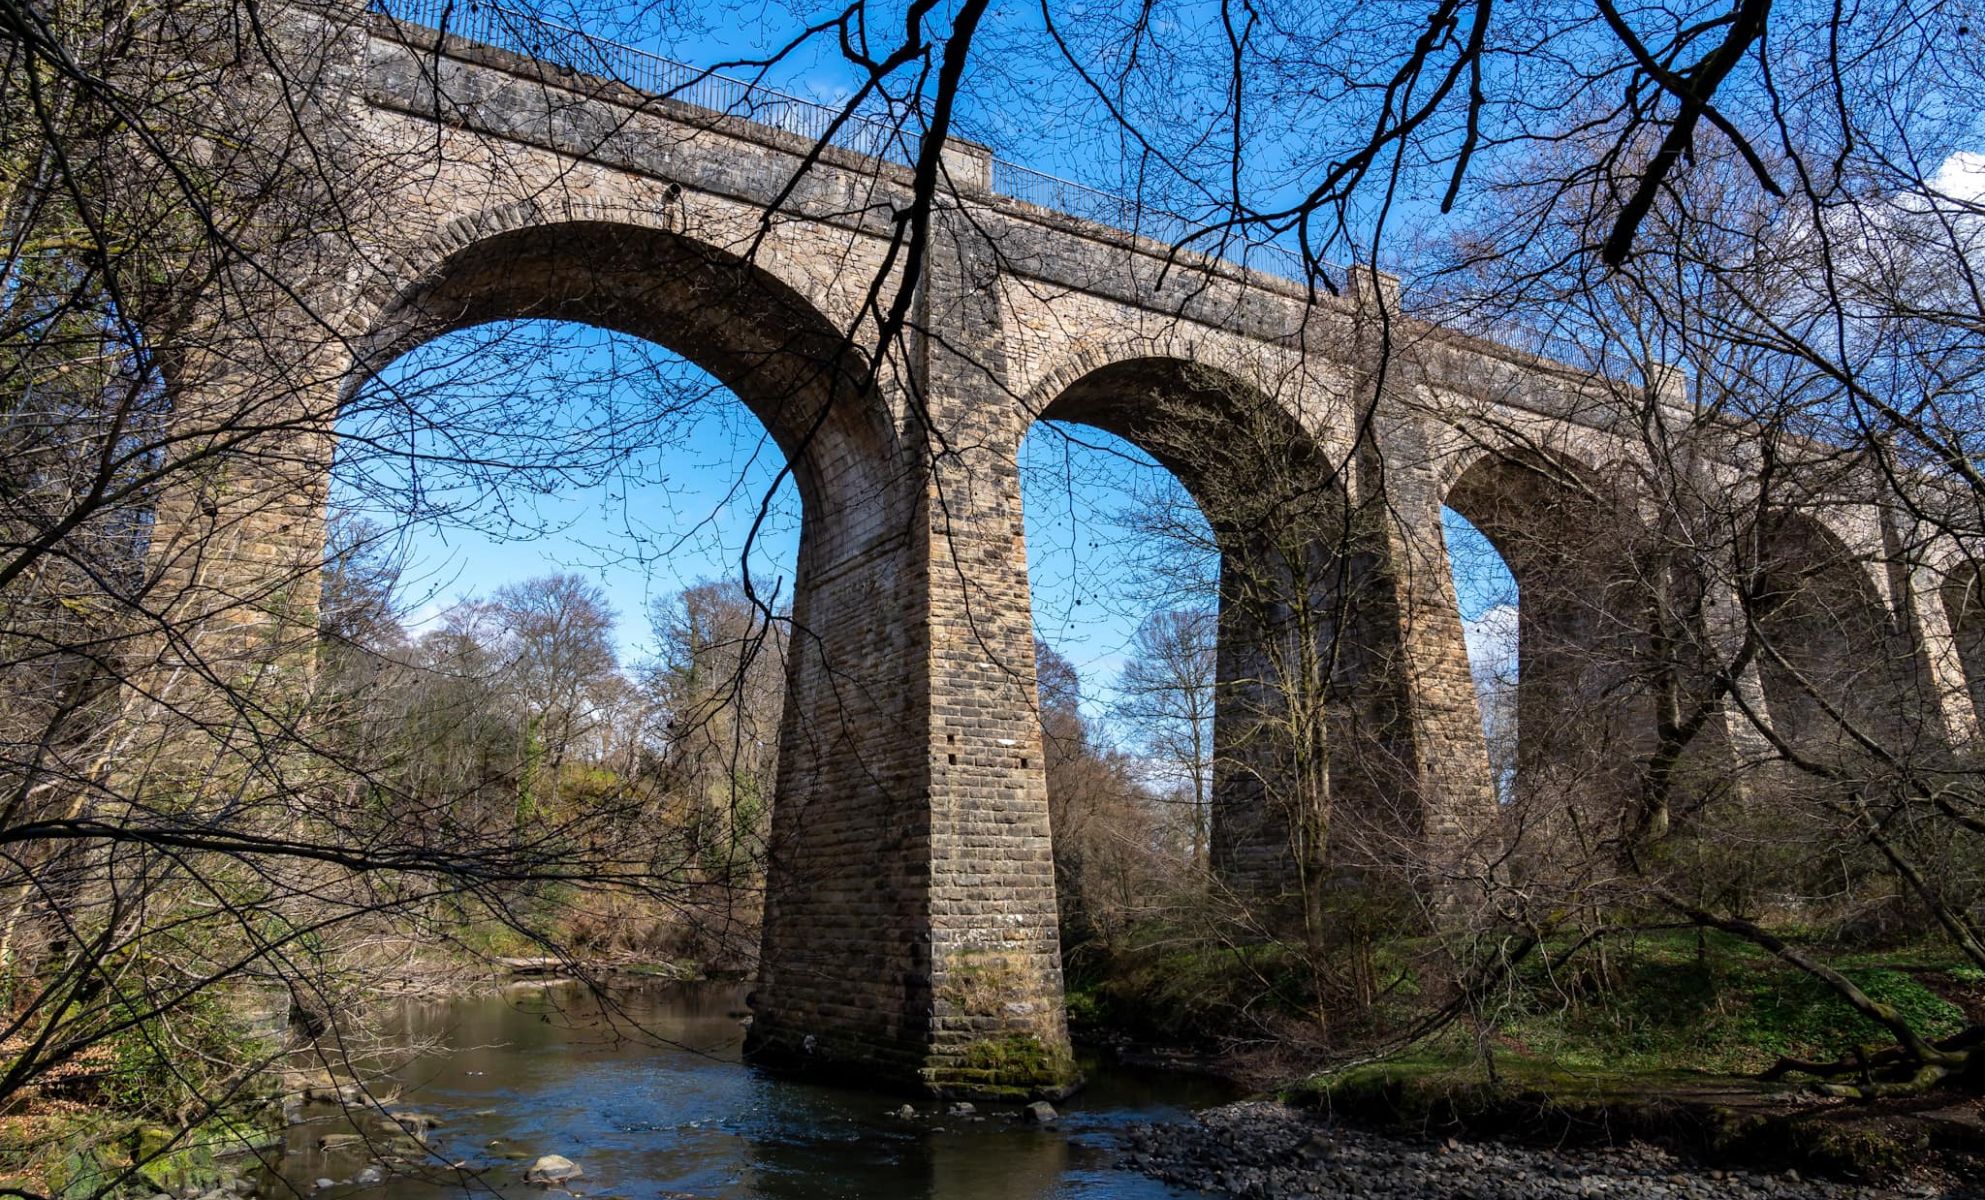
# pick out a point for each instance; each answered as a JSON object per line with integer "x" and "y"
{"x": 1961, "y": 177}
{"x": 1491, "y": 639}
{"x": 427, "y": 615}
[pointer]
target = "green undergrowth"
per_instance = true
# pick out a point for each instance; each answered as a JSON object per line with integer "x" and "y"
{"x": 1672, "y": 1001}
{"x": 1664, "y": 1038}
{"x": 1440, "y": 1091}
{"x": 1712, "y": 1005}
{"x": 1176, "y": 993}
{"x": 85, "y": 1154}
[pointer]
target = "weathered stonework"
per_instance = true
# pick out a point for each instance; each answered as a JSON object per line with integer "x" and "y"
{"x": 910, "y": 922}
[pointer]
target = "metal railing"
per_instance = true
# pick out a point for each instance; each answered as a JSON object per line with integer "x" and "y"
{"x": 895, "y": 137}
{"x": 878, "y": 137}
{"x": 576, "y": 50}
{"x": 1079, "y": 200}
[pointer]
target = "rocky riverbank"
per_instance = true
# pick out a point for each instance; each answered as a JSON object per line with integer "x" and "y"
{"x": 1262, "y": 1149}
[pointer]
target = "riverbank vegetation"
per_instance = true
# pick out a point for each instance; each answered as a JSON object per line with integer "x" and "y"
{"x": 1727, "y": 815}
{"x": 603, "y": 816}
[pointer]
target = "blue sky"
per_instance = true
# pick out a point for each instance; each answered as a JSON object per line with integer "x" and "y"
{"x": 672, "y": 502}
{"x": 670, "y": 499}
{"x": 1019, "y": 96}
{"x": 670, "y": 474}
{"x": 675, "y": 511}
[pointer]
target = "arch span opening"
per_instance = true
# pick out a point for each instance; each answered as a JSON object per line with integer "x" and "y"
{"x": 1837, "y": 672}
{"x": 1579, "y": 709}
{"x": 1235, "y": 665}
{"x": 806, "y": 382}
{"x": 565, "y": 514}
{"x": 1491, "y": 614}
{"x": 841, "y": 756}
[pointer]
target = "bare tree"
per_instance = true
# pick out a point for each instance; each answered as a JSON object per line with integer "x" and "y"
{"x": 1117, "y": 857}
{"x": 1165, "y": 696}
{"x": 720, "y": 687}
{"x": 561, "y": 664}
{"x": 1661, "y": 185}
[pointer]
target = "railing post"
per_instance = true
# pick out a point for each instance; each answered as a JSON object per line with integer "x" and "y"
{"x": 1371, "y": 286}
{"x": 967, "y": 165}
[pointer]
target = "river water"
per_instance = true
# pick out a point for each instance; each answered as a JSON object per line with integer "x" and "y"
{"x": 648, "y": 1095}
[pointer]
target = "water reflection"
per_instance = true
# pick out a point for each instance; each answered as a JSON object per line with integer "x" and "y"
{"x": 650, "y": 1098}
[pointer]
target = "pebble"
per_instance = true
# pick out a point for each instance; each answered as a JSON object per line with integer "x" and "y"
{"x": 1260, "y": 1149}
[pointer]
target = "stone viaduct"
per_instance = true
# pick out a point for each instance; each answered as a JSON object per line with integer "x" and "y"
{"x": 910, "y": 930}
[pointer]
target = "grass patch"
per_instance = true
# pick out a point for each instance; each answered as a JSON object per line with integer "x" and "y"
{"x": 1710, "y": 1006}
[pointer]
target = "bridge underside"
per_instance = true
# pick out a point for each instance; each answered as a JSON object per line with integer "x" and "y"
{"x": 910, "y": 935}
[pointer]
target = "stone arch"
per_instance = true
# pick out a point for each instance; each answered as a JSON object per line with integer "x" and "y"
{"x": 1209, "y": 426}
{"x": 1299, "y": 772}
{"x": 806, "y": 381}
{"x": 834, "y": 922}
{"x": 1831, "y": 654}
{"x": 1583, "y": 616}
{"x": 1537, "y": 506}
{"x": 1963, "y": 595}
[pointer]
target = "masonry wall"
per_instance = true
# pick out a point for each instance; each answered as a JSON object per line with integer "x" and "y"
{"x": 910, "y": 928}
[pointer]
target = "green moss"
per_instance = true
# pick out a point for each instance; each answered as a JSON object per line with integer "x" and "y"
{"x": 1020, "y": 1054}
{"x": 1723, "y": 1119}
{"x": 1010, "y": 1067}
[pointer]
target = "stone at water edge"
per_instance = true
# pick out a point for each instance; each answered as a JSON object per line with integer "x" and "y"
{"x": 553, "y": 1168}
{"x": 905, "y": 1113}
{"x": 962, "y": 1109}
{"x": 1040, "y": 1112}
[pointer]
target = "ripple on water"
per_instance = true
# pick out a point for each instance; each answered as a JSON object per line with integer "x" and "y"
{"x": 649, "y": 1096}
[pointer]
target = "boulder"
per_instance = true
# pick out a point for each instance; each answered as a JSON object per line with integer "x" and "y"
{"x": 553, "y": 1169}
{"x": 1040, "y": 1112}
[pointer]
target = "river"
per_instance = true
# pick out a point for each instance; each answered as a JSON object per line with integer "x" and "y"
{"x": 648, "y": 1095}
